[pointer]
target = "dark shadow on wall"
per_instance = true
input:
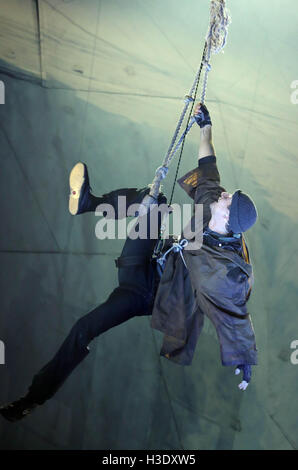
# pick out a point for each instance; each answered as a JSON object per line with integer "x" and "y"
{"x": 199, "y": 404}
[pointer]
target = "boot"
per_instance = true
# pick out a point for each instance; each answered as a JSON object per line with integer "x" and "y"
{"x": 79, "y": 198}
{"x": 17, "y": 409}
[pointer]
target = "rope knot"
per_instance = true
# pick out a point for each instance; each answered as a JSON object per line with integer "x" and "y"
{"x": 188, "y": 99}
{"x": 161, "y": 172}
{"x": 207, "y": 65}
{"x": 178, "y": 246}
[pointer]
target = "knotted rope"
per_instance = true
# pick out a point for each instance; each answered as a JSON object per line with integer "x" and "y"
{"x": 215, "y": 42}
{"x": 216, "y": 36}
{"x": 176, "y": 247}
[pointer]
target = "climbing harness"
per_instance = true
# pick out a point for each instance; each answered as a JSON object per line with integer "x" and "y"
{"x": 176, "y": 247}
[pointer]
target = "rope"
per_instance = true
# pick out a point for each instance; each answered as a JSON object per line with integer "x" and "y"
{"x": 215, "y": 42}
{"x": 177, "y": 247}
{"x": 216, "y": 36}
{"x": 162, "y": 171}
{"x": 188, "y": 121}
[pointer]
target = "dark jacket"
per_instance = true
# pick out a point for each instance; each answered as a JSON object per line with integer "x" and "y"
{"x": 216, "y": 283}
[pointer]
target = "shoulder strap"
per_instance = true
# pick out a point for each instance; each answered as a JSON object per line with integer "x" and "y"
{"x": 245, "y": 251}
{"x": 246, "y": 255}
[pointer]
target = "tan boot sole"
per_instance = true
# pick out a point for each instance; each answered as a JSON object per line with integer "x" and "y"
{"x": 76, "y": 180}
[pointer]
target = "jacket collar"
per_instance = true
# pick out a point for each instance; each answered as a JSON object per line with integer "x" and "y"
{"x": 230, "y": 255}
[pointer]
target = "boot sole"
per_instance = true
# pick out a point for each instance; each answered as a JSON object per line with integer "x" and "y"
{"x": 76, "y": 180}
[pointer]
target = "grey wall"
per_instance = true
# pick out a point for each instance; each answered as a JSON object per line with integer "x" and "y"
{"x": 108, "y": 93}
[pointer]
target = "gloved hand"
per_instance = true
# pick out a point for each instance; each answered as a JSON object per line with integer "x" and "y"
{"x": 246, "y": 375}
{"x": 201, "y": 115}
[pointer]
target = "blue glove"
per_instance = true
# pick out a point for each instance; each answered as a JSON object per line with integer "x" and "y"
{"x": 246, "y": 368}
{"x": 201, "y": 115}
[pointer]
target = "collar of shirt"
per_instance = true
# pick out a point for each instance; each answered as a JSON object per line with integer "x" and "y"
{"x": 230, "y": 241}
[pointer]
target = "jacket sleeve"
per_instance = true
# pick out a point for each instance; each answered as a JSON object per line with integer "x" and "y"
{"x": 203, "y": 185}
{"x": 201, "y": 179}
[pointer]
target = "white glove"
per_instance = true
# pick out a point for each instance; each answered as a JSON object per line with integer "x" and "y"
{"x": 246, "y": 375}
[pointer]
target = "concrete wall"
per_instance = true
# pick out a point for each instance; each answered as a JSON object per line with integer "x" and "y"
{"x": 54, "y": 269}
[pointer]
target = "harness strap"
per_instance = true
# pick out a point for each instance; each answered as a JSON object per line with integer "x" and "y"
{"x": 246, "y": 255}
{"x": 245, "y": 250}
{"x": 177, "y": 247}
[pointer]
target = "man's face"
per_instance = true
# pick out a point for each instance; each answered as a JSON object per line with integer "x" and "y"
{"x": 222, "y": 207}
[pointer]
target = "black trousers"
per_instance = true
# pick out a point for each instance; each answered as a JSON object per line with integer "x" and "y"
{"x": 133, "y": 297}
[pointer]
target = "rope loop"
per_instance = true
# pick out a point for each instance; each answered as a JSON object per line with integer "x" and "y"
{"x": 161, "y": 172}
{"x": 176, "y": 247}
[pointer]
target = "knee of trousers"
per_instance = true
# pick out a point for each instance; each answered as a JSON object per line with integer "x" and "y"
{"x": 81, "y": 332}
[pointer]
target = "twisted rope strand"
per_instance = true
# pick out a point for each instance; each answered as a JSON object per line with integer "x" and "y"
{"x": 215, "y": 42}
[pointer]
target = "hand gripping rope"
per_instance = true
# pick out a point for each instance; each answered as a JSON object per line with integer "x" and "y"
{"x": 215, "y": 41}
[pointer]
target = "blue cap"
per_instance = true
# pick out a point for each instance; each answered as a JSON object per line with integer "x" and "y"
{"x": 243, "y": 212}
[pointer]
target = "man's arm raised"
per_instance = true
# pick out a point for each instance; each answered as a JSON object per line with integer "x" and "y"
{"x": 202, "y": 117}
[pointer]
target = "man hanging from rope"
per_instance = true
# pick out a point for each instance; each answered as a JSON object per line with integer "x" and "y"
{"x": 216, "y": 280}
